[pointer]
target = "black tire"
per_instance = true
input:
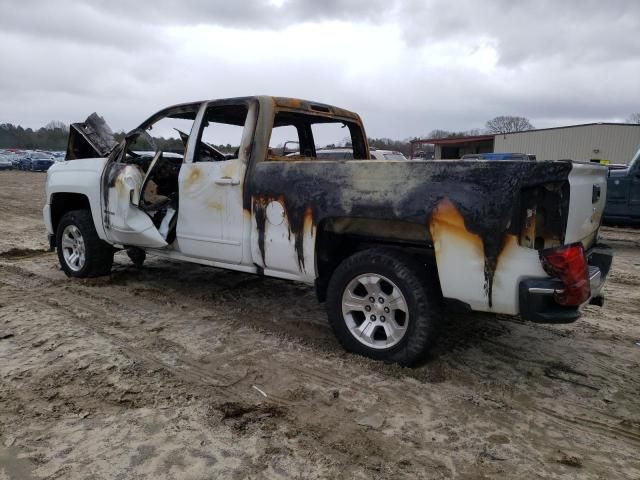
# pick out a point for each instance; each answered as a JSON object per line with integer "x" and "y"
{"x": 421, "y": 292}
{"x": 98, "y": 253}
{"x": 137, "y": 256}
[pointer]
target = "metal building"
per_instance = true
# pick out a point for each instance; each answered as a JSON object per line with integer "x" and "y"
{"x": 597, "y": 142}
{"x": 603, "y": 142}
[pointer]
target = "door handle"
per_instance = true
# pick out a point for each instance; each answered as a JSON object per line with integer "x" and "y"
{"x": 227, "y": 181}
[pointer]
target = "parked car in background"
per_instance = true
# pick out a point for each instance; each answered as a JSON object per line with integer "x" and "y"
{"x": 15, "y": 160}
{"x": 24, "y": 162}
{"x": 386, "y": 154}
{"x": 346, "y": 153}
{"x": 623, "y": 193}
{"x": 5, "y": 163}
{"x": 617, "y": 166}
{"x": 340, "y": 153}
{"x": 498, "y": 156}
{"x": 13, "y": 157}
{"x": 423, "y": 155}
{"x": 335, "y": 153}
{"x": 40, "y": 162}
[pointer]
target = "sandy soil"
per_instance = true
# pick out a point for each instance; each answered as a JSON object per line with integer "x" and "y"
{"x": 180, "y": 371}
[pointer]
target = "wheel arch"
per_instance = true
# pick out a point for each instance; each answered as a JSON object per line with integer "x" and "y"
{"x": 63, "y": 202}
{"x": 338, "y": 238}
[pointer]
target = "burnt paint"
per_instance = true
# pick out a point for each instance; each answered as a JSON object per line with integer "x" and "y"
{"x": 260, "y": 214}
{"x": 486, "y": 194}
{"x": 296, "y": 222}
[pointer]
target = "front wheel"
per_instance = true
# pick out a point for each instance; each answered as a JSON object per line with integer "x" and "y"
{"x": 381, "y": 305}
{"x": 80, "y": 251}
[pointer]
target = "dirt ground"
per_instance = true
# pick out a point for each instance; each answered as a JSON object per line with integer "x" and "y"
{"x": 188, "y": 372}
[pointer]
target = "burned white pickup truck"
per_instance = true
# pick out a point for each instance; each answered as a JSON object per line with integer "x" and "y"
{"x": 389, "y": 245}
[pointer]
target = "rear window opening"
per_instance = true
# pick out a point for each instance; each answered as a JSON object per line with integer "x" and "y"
{"x": 299, "y": 136}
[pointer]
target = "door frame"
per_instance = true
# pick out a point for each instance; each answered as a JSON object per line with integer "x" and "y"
{"x": 233, "y": 250}
{"x": 109, "y": 176}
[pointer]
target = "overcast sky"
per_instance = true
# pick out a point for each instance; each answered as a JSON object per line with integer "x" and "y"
{"x": 406, "y": 66}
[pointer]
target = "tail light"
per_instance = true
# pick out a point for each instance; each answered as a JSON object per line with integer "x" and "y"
{"x": 569, "y": 264}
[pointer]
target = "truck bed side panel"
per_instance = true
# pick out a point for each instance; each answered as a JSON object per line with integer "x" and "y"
{"x": 485, "y": 196}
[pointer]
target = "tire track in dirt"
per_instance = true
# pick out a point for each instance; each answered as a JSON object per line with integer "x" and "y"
{"x": 102, "y": 313}
{"x": 21, "y": 253}
{"x": 97, "y": 320}
{"x": 589, "y": 425}
{"x": 87, "y": 314}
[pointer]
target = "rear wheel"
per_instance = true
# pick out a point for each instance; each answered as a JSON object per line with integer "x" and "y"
{"x": 80, "y": 251}
{"x": 382, "y": 306}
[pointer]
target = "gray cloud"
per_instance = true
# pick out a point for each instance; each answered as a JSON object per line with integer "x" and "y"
{"x": 97, "y": 21}
{"x": 558, "y": 62}
{"x": 75, "y": 22}
{"x": 577, "y": 31}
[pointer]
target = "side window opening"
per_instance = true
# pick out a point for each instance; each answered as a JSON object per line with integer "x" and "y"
{"x": 221, "y": 134}
{"x": 299, "y": 136}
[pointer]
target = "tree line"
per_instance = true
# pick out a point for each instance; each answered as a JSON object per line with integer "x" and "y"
{"x": 54, "y": 135}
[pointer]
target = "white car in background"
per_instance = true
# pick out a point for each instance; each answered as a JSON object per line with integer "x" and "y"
{"x": 346, "y": 153}
{"x": 5, "y": 163}
{"x": 386, "y": 154}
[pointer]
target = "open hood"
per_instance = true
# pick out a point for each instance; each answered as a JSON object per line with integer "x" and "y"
{"x": 89, "y": 139}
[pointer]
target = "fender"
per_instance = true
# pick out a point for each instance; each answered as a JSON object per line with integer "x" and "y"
{"x": 78, "y": 176}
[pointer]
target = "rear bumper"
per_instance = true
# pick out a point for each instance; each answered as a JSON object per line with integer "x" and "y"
{"x": 536, "y": 295}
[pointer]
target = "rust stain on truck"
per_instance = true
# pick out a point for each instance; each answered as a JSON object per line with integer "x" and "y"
{"x": 194, "y": 177}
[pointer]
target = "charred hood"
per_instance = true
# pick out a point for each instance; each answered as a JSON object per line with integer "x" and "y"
{"x": 89, "y": 139}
